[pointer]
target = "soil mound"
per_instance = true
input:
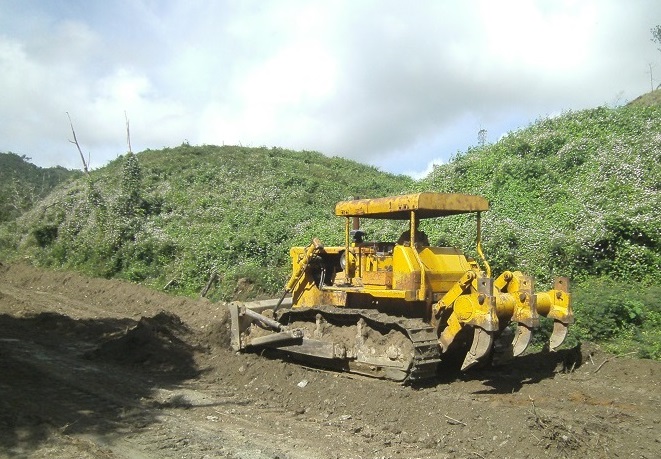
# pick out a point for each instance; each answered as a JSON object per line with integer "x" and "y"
{"x": 93, "y": 297}
{"x": 160, "y": 343}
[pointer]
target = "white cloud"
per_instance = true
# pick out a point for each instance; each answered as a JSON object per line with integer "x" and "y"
{"x": 431, "y": 165}
{"x": 544, "y": 37}
{"x": 390, "y": 84}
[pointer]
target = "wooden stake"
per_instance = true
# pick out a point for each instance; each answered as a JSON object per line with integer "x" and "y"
{"x": 212, "y": 278}
{"x": 172, "y": 281}
{"x": 611, "y": 358}
{"x": 455, "y": 421}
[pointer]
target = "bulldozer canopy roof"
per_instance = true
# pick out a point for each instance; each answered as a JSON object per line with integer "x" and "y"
{"x": 425, "y": 205}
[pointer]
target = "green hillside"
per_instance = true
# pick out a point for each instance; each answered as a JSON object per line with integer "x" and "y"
{"x": 652, "y": 98}
{"x": 574, "y": 195}
{"x": 577, "y": 195}
{"x": 22, "y": 184}
{"x": 178, "y": 214}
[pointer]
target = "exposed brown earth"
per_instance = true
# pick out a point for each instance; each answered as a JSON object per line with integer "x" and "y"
{"x": 93, "y": 368}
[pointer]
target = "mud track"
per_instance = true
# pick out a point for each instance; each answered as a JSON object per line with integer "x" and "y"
{"x": 94, "y": 368}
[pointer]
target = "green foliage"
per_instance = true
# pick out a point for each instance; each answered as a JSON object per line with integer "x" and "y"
{"x": 182, "y": 212}
{"x": 248, "y": 281}
{"x": 23, "y": 184}
{"x": 575, "y": 195}
{"x": 652, "y": 98}
{"x": 622, "y": 315}
{"x": 130, "y": 197}
{"x": 45, "y": 235}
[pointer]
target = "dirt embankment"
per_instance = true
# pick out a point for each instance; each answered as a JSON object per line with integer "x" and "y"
{"x": 95, "y": 368}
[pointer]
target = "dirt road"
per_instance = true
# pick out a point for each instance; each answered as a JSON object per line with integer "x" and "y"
{"x": 94, "y": 368}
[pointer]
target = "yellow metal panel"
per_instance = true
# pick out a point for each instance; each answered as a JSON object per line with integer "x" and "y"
{"x": 425, "y": 205}
{"x": 381, "y": 278}
{"x": 445, "y": 266}
{"x": 406, "y": 269}
{"x": 407, "y": 295}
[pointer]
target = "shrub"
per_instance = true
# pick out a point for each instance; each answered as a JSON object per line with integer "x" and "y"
{"x": 620, "y": 313}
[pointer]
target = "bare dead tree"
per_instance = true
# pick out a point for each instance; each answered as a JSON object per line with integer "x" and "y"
{"x": 128, "y": 133}
{"x": 75, "y": 142}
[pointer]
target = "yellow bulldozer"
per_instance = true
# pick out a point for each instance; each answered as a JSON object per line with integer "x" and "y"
{"x": 397, "y": 310}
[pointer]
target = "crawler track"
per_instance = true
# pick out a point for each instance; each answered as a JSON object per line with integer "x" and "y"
{"x": 419, "y": 364}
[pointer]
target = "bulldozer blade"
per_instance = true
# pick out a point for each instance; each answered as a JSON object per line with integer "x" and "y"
{"x": 521, "y": 339}
{"x": 558, "y": 336}
{"x": 482, "y": 343}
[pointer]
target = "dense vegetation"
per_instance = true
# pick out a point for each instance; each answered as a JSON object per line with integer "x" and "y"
{"x": 23, "y": 184}
{"x": 574, "y": 195}
{"x": 180, "y": 214}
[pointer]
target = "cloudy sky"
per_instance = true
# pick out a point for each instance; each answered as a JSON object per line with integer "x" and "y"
{"x": 398, "y": 85}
